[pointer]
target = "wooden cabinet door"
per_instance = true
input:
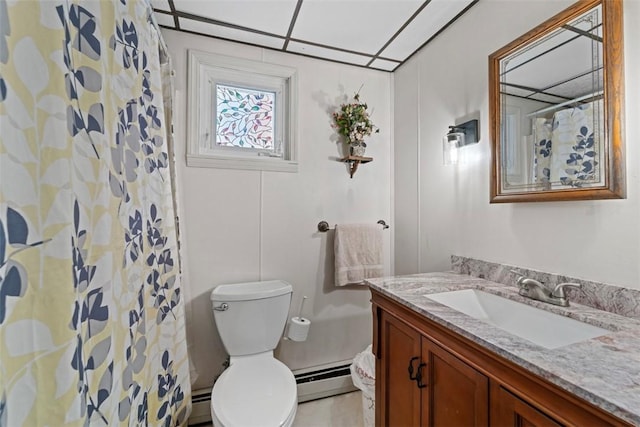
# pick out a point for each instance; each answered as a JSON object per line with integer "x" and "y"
{"x": 397, "y": 396}
{"x": 507, "y": 410}
{"x": 456, "y": 394}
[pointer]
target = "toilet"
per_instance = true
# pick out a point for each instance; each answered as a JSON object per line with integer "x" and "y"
{"x": 256, "y": 389}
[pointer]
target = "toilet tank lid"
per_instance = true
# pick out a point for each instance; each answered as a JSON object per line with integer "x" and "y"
{"x": 250, "y": 290}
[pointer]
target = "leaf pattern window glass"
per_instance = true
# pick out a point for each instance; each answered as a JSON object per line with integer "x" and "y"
{"x": 245, "y": 117}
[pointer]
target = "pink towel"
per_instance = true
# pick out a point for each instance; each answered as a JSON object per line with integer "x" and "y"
{"x": 358, "y": 253}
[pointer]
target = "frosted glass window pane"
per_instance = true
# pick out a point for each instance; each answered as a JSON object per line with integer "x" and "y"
{"x": 245, "y": 118}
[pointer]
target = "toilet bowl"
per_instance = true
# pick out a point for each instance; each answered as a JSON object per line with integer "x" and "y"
{"x": 256, "y": 389}
{"x": 255, "y": 392}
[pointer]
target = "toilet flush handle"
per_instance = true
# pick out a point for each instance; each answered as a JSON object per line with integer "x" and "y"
{"x": 222, "y": 307}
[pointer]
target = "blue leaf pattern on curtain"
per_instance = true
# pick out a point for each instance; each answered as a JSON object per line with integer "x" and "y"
{"x": 89, "y": 277}
{"x": 566, "y": 148}
{"x": 575, "y": 155}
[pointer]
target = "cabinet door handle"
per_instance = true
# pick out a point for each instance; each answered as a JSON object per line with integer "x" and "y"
{"x": 411, "y": 369}
{"x": 419, "y": 376}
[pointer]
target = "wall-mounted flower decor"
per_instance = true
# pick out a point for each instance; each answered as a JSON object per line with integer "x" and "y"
{"x": 353, "y": 122}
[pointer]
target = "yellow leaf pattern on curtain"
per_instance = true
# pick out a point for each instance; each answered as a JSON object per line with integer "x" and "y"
{"x": 92, "y": 328}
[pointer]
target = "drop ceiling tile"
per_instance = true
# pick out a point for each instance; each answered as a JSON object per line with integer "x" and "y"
{"x": 564, "y": 63}
{"x": 551, "y": 42}
{"x": 272, "y": 16}
{"x": 516, "y": 91}
{"x": 230, "y": 33}
{"x": 331, "y": 54}
{"x": 432, "y": 18}
{"x": 164, "y": 20}
{"x": 161, "y": 5}
{"x": 383, "y": 64}
{"x": 352, "y": 24}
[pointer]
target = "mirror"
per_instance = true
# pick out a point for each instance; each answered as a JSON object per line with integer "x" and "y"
{"x": 556, "y": 109}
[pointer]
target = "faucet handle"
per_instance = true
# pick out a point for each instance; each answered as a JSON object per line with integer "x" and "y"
{"x": 558, "y": 291}
{"x": 524, "y": 282}
{"x": 516, "y": 272}
{"x": 520, "y": 277}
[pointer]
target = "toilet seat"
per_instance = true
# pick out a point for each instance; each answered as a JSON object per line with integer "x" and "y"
{"x": 254, "y": 392}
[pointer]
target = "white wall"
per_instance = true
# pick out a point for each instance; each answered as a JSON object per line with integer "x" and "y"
{"x": 449, "y": 205}
{"x": 251, "y": 225}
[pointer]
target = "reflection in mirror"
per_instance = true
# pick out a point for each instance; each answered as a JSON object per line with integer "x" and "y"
{"x": 552, "y": 108}
{"x": 550, "y": 128}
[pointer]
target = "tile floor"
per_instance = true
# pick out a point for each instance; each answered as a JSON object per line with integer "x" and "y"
{"x": 344, "y": 410}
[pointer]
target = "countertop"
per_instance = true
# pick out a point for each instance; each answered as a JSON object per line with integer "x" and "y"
{"x": 604, "y": 371}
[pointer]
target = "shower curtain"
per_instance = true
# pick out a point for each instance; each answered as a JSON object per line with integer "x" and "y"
{"x": 542, "y": 133}
{"x": 91, "y": 310}
{"x": 575, "y": 145}
{"x": 567, "y": 147}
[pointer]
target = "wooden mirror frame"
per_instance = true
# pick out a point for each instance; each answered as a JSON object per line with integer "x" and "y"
{"x": 613, "y": 66}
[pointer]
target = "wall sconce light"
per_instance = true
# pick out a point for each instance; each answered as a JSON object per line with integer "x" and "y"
{"x": 458, "y": 137}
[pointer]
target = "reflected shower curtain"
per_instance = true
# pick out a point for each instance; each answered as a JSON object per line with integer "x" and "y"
{"x": 542, "y": 131}
{"x": 575, "y": 141}
{"x": 567, "y": 148}
{"x": 91, "y": 313}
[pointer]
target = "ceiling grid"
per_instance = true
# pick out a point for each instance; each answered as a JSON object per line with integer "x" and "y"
{"x": 375, "y": 34}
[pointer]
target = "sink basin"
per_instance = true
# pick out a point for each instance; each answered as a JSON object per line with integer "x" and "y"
{"x": 533, "y": 324}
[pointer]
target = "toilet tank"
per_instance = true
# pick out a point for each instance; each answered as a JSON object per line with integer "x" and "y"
{"x": 250, "y": 317}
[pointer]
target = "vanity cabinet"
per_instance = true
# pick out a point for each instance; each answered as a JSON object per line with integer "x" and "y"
{"x": 429, "y": 375}
{"x": 509, "y": 410}
{"x": 423, "y": 384}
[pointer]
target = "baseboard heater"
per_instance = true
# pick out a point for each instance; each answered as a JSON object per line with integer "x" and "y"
{"x": 200, "y": 407}
{"x": 313, "y": 383}
{"x": 316, "y": 383}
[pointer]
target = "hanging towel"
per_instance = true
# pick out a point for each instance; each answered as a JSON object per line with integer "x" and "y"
{"x": 358, "y": 253}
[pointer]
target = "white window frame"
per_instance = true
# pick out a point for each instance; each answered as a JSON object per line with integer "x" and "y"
{"x": 206, "y": 71}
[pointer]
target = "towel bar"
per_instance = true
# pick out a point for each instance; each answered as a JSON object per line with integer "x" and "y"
{"x": 323, "y": 226}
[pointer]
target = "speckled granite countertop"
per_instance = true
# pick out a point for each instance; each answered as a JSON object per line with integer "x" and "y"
{"x": 604, "y": 370}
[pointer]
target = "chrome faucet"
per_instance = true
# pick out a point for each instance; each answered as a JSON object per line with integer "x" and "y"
{"x": 533, "y": 289}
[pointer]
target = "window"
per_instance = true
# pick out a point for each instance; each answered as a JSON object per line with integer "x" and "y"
{"x": 241, "y": 113}
{"x": 245, "y": 118}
